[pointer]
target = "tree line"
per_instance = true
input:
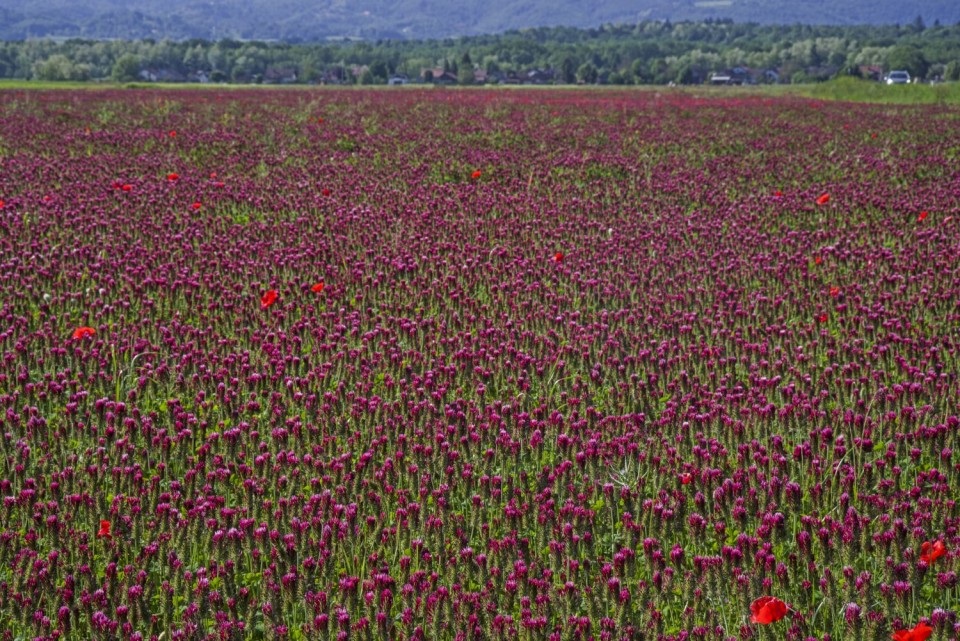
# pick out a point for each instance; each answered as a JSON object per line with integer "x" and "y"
{"x": 650, "y": 52}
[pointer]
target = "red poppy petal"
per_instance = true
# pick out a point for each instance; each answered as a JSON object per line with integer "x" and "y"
{"x": 268, "y": 299}
{"x": 920, "y": 632}
{"x": 83, "y": 332}
{"x": 767, "y": 609}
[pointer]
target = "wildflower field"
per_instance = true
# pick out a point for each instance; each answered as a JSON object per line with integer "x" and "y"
{"x": 474, "y": 365}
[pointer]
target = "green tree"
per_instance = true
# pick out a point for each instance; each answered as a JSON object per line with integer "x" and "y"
{"x": 568, "y": 71}
{"x": 649, "y": 51}
{"x": 685, "y": 75}
{"x": 852, "y": 71}
{"x": 909, "y": 58}
{"x": 194, "y": 58}
{"x": 588, "y": 74}
{"x": 638, "y": 68}
{"x": 658, "y": 71}
{"x": 952, "y": 71}
{"x": 126, "y": 68}
{"x": 308, "y": 71}
{"x": 59, "y": 67}
{"x": 379, "y": 70}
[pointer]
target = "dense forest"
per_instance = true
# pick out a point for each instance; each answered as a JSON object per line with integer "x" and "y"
{"x": 319, "y": 20}
{"x": 649, "y": 52}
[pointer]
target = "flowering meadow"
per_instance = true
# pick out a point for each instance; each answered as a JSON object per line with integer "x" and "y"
{"x": 477, "y": 365}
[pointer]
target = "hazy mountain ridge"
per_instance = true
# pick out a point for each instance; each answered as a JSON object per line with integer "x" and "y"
{"x": 374, "y": 19}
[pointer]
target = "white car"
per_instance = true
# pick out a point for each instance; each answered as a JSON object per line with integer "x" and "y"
{"x": 898, "y": 78}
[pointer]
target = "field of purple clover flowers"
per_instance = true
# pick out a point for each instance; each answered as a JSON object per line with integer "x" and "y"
{"x": 477, "y": 365}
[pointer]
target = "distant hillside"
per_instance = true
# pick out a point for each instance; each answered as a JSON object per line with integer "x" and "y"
{"x": 303, "y": 20}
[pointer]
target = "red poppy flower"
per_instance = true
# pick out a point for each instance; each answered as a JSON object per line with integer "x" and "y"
{"x": 778, "y": 194}
{"x": 873, "y": 135}
{"x": 213, "y": 174}
{"x": 834, "y": 291}
{"x": 127, "y": 187}
{"x": 173, "y": 134}
{"x": 173, "y": 177}
{"x": 104, "y": 530}
{"x": 929, "y": 552}
{"x": 2, "y": 204}
{"x": 767, "y": 609}
{"x": 823, "y": 199}
{"x": 317, "y": 288}
{"x": 822, "y": 318}
{"x": 268, "y": 298}
{"x": 83, "y": 332}
{"x": 686, "y": 478}
{"x": 558, "y": 257}
{"x": 476, "y": 174}
{"x": 817, "y": 260}
{"x": 196, "y": 206}
{"x": 319, "y": 121}
{"x": 921, "y": 632}
{"x": 922, "y": 216}
{"x": 325, "y": 192}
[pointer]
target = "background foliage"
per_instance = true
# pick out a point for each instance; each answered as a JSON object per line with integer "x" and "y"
{"x": 647, "y": 52}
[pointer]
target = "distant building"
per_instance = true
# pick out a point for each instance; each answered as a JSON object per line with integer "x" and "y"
{"x": 539, "y": 77}
{"x": 822, "y": 72}
{"x": 280, "y": 76}
{"x": 398, "y": 79}
{"x": 335, "y": 76}
{"x": 438, "y": 76}
{"x": 744, "y": 76}
{"x": 512, "y": 78}
{"x": 162, "y": 75}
